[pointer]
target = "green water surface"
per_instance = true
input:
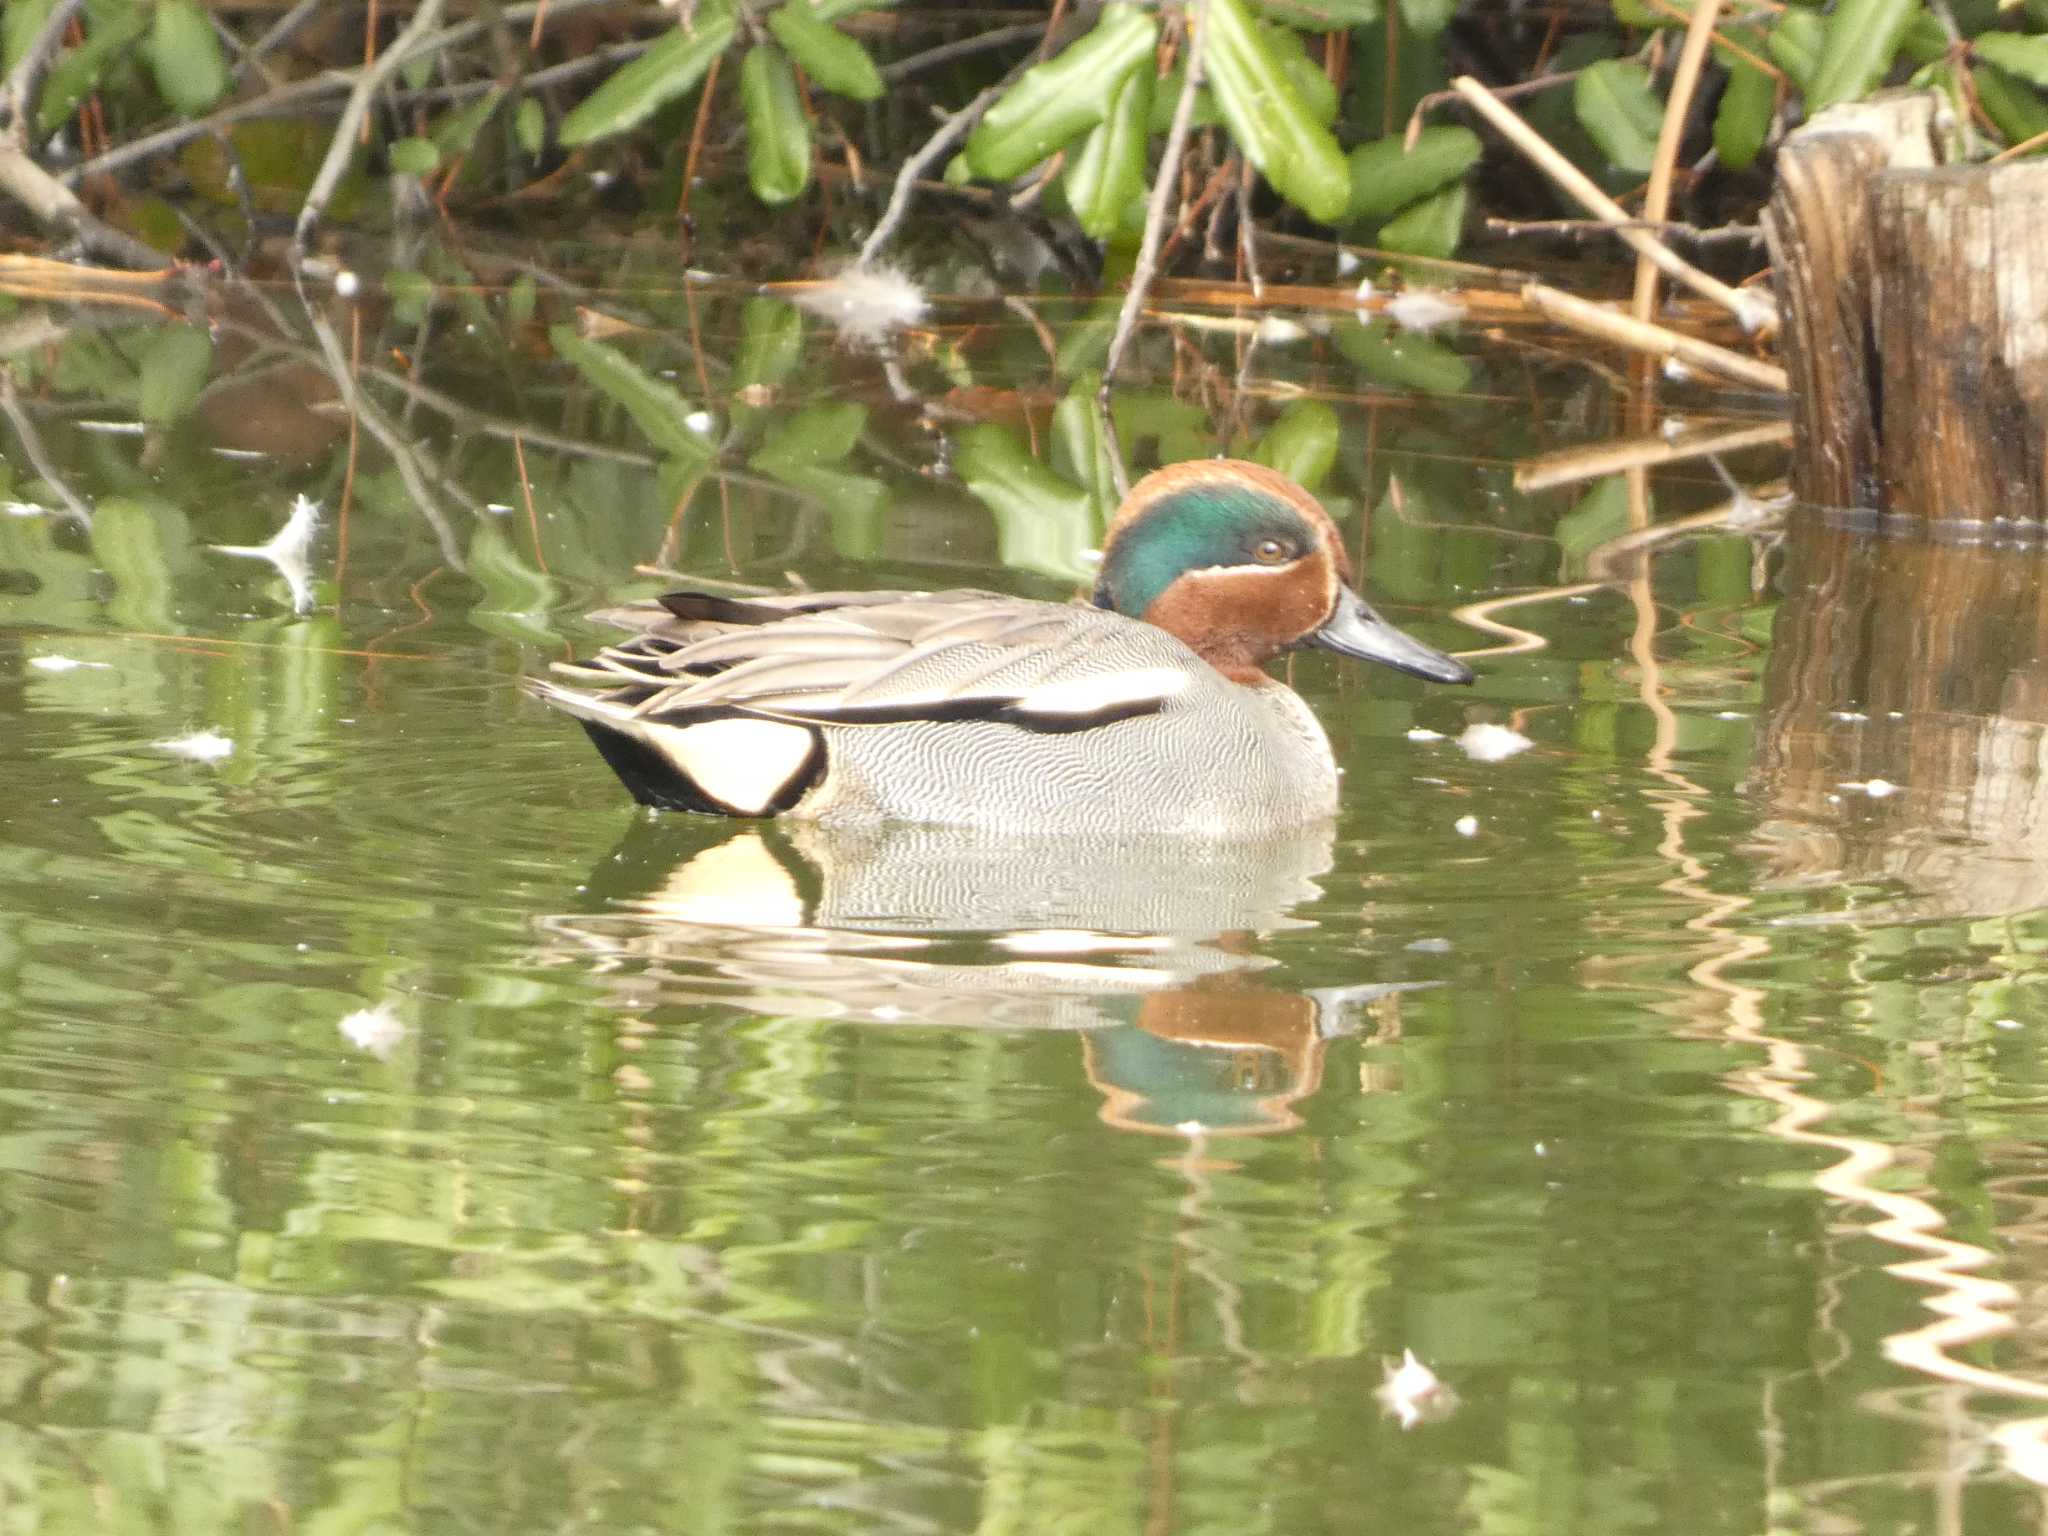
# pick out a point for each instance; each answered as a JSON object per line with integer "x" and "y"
{"x": 399, "y": 1132}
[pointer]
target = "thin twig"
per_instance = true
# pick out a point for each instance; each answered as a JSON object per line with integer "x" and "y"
{"x": 1723, "y": 40}
{"x": 1247, "y": 237}
{"x": 1147, "y": 267}
{"x": 1640, "y": 336}
{"x": 953, "y": 128}
{"x": 526, "y": 85}
{"x": 1668, "y": 229}
{"x": 32, "y": 446}
{"x": 704, "y": 100}
{"x": 2025, "y": 146}
{"x": 1428, "y": 104}
{"x": 289, "y": 99}
{"x": 961, "y": 48}
{"x": 1685, "y": 78}
{"x": 1756, "y": 311}
{"x": 341, "y": 148}
{"x": 404, "y": 453}
{"x": 280, "y": 33}
{"x": 56, "y": 206}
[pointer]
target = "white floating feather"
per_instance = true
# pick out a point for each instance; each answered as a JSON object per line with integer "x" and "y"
{"x": 865, "y": 304}
{"x": 375, "y": 1030}
{"x": 289, "y": 550}
{"x": 1486, "y": 742}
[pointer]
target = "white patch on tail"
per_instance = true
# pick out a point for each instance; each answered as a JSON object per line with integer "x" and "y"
{"x": 742, "y": 764}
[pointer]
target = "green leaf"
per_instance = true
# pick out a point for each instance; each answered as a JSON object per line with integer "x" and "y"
{"x": 520, "y": 298}
{"x": 1743, "y": 120}
{"x": 1272, "y": 126}
{"x": 1925, "y": 40}
{"x": 1166, "y": 97}
{"x": 414, "y": 157}
{"x": 139, "y": 544}
{"x": 457, "y": 131}
{"x": 1062, "y": 97}
{"x": 1318, "y": 92}
{"x": 2015, "y": 108}
{"x": 172, "y": 371}
{"x": 1426, "y": 18}
{"x": 530, "y": 127}
{"x": 411, "y": 294}
{"x": 1044, "y": 523}
{"x": 771, "y": 343}
{"x": 1431, "y": 228}
{"x": 814, "y": 437}
{"x": 1385, "y": 180}
{"x": 2026, "y": 57}
{"x": 1857, "y": 50}
{"x": 76, "y": 74}
{"x": 1645, "y": 17}
{"x": 185, "y": 57}
{"x": 21, "y": 22}
{"x": 1599, "y": 515}
{"x": 802, "y": 452}
{"x": 668, "y": 70}
{"x": 1107, "y": 172}
{"x": 660, "y": 412}
{"x": 1080, "y": 447}
{"x": 1320, "y": 15}
{"x": 1405, "y": 362}
{"x": 1302, "y": 444}
{"x": 1618, "y": 105}
{"x": 510, "y": 585}
{"x": 1795, "y": 43}
{"x": 828, "y": 55}
{"x": 778, "y": 133}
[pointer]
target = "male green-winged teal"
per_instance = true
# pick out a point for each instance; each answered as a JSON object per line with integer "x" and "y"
{"x": 1147, "y": 712}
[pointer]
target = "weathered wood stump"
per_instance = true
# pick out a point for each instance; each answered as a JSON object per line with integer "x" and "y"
{"x": 1916, "y": 318}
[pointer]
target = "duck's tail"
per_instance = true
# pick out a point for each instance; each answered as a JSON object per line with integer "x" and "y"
{"x": 732, "y": 765}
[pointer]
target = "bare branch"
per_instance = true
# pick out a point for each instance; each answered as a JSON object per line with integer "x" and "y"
{"x": 1147, "y": 267}
{"x": 341, "y": 148}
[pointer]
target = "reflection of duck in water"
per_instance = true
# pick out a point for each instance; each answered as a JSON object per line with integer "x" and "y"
{"x": 1227, "y": 1056}
{"x": 1145, "y": 713}
{"x": 1135, "y": 939}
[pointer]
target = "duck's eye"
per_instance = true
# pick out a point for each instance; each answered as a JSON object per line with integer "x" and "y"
{"x": 1273, "y": 552}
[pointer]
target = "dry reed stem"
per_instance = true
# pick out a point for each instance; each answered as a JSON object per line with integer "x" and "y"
{"x": 1640, "y": 336}
{"x": 1685, "y": 80}
{"x": 1597, "y": 460}
{"x": 1755, "y": 311}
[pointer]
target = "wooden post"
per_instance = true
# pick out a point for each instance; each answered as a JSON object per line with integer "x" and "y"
{"x": 1915, "y": 326}
{"x": 1962, "y": 333}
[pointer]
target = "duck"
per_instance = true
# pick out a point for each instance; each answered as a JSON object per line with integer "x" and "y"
{"x": 1146, "y": 710}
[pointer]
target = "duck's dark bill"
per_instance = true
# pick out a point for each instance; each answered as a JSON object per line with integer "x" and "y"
{"x": 1355, "y": 630}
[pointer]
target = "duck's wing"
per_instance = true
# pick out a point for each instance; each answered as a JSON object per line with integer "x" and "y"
{"x": 733, "y": 695}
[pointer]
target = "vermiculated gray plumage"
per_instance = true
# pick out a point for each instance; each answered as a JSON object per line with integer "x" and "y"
{"x": 954, "y": 707}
